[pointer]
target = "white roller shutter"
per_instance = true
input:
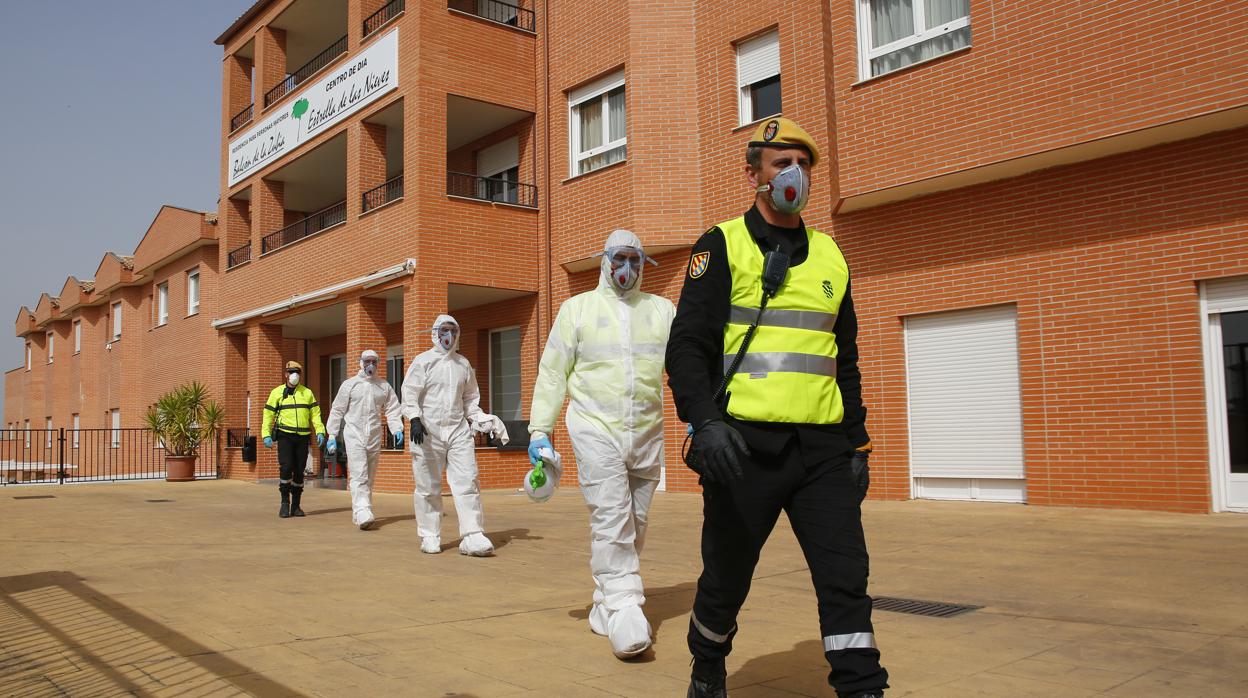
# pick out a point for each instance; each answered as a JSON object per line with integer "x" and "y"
{"x": 1227, "y": 295}
{"x": 758, "y": 58}
{"x": 965, "y": 408}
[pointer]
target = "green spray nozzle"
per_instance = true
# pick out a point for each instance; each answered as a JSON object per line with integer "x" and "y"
{"x": 537, "y": 478}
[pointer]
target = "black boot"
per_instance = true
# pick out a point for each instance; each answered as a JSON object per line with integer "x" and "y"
{"x": 284, "y": 488}
{"x": 296, "y": 493}
{"x": 708, "y": 680}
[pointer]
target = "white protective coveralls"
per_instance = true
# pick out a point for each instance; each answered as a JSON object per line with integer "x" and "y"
{"x": 440, "y": 389}
{"x": 606, "y": 352}
{"x": 357, "y": 410}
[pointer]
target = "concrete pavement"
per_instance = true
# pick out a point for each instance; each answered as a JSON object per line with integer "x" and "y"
{"x": 200, "y": 589}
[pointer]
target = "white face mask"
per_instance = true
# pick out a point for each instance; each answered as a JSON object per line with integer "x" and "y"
{"x": 370, "y": 368}
{"x": 446, "y": 338}
{"x": 292, "y": 379}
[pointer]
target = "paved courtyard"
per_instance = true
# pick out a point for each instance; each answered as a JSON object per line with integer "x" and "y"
{"x": 200, "y": 589}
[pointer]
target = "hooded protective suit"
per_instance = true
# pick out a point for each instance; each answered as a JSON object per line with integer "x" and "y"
{"x": 357, "y": 409}
{"x": 606, "y": 352}
{"x": 440, "y": 389}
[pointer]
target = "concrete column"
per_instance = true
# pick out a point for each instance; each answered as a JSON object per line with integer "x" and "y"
{"x": 264, "y": 372}
{"x": 366, "y": 329}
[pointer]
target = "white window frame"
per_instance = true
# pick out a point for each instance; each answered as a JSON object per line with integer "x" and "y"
{"x": 116, "y": 320}
{"x": 114, "y": 418}
{"x": 762, "y": 49}
{"x": 26, "y": 428}
{"x": 77, "y": 422}
{"x": 192, "y": 292}
{"x": 28, "y": 355}
{"x": 51, "y": 343}
{"x": 78, "y": 336}
{"x": 48, "y": 424}
{"x": 595, "y": 90}
{"x": 866, "y": 54}
{"x": 490, "y": 367}
{"x": 162, "y": 303}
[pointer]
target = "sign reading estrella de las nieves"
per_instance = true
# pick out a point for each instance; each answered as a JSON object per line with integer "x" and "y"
{"x": 360, "y": 81}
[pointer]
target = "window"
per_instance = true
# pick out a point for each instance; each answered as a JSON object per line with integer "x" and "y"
{"x": 115, "y": 419}
{"x": 162, "y": 303}
{"x": 77, "y": 336}
{"x": 893, "y": 34}
{"x": 395, "y": 368}
{"x": 499, "y": 165}
{"x": 597, "y": 124}
{"x": 505, "y": 373}
{"x": 192, "y": 292}
{"x": 51, "y": 346}
{"x": 27, "y": 356}
{"x": 77, "y": 425}
{"x": 26, "y": 427}
{"x": 48, "y": 430}
{"x": 758, "y": 77}
{"x": 116, "y": 320}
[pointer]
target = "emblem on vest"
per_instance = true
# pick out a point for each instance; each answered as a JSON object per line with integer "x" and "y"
{"x": 698, "y": 264}
{"x": 827, "y": 289}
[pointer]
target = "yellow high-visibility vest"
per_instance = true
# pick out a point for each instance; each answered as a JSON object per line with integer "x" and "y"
{"x": 296, "y": 413}
{"x": 789, "y": 372}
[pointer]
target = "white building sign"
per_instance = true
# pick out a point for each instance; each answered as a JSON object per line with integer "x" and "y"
{"x": 340, "y": 93}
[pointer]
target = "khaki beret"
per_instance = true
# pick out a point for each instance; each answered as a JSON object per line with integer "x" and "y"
{"x": 784, "y": 133}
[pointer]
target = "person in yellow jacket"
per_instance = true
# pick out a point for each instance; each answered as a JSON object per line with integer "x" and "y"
{"x": 763, "y": 365}
{"x": 291, "y": 415}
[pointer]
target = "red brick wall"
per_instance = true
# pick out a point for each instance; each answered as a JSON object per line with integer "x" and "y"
{"x": 1104, "y": 276}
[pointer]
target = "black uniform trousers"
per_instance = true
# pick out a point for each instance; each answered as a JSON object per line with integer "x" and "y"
{"x": 824, "y": 506}
{"x": 292, "y": 456}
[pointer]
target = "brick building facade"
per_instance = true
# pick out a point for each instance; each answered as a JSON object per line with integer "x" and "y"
{"x": 1044, "y": 209}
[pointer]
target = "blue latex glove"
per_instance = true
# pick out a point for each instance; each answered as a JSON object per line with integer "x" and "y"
{"x": 398, "y": 439}
{"x": 320, "y": 441}
{"x": 333, "y": 446}
{"x": 536, "y": 445}
{"x": 268, "y": 442}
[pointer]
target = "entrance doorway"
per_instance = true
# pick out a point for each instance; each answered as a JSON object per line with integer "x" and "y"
{"x": 1226, "y": 380}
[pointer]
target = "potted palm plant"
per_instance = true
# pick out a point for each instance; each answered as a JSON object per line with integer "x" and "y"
{"x": 184, "y": 420}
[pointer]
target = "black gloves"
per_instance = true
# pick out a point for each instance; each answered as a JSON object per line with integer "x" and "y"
{"x": 719, "y": 451}
{"x": 418, "y": 432}
{"x": 861, "y": 470}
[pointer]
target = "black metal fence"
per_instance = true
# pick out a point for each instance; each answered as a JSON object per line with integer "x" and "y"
{"x": 491, "y": 189}
{"x": 380, "y": 17}
{"x": 382, "y": 195}
{"x": 32, "y": 456}
{"x": 496, "y": 11}
{"x": 238, "y": 256}
{"x": 306, "y": 71}
{"x": 241, "y": 118}
{"x": 315, "y": 223}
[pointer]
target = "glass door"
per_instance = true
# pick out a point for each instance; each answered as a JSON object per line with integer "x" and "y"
{"x": 1232, "y": 331}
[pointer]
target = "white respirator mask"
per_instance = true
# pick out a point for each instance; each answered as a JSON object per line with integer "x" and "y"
{"x": 789, "y": 189}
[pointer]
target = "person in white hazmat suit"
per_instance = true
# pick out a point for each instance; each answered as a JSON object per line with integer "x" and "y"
{"x": 440, "y": 397}
{"x": 357, "y": 410}
{"x": 606, "y": 352}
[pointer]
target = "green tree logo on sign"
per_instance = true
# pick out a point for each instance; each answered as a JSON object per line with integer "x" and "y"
{"x": 301, "y": 108}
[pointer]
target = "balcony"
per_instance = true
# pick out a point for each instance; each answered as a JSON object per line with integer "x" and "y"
{"x": 496, "y": 11}
{"x": 382, "y": 195}
{"x": 238, "y": 257}
{"x": 307, "y": 227}
{"x": 242, "y": 118}
{"x": 306, "y": 71}
{"x": 503, "y": 188}
{"x": 379, "y": 18}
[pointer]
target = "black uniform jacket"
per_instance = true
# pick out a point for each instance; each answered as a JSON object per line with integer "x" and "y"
{"x": 695, "y": 350}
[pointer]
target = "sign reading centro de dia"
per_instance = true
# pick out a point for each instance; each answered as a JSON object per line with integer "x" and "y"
{"x": 344, "y": 90}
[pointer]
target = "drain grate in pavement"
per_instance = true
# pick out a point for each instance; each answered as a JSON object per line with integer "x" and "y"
{"x": 935, "y": 609}
{"x": 157, "y": 501}
{"x": 37, "y": 496}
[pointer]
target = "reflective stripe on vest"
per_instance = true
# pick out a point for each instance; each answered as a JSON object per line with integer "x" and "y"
{"x": 789, "y": 372}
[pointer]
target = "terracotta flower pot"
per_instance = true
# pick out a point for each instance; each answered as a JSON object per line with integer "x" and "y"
{"x": 179, "y": 468}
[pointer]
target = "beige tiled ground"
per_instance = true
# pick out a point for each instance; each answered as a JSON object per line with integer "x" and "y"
{"x": 103, "y": 593}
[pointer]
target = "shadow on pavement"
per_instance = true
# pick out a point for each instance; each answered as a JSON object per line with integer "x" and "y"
{"x": 318, "y": 512}
{"x": 662, "y": 604}
{"x": 500, "y": 539}
{"x": 59, "y": 635}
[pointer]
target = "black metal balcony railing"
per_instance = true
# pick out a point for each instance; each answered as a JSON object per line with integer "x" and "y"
{"x": 306, "y": 71}
{"x": 491, "y": 189}
{"x": 311, "y": 225}
{"x": 238, "y": 256}
{"x": 380, "y": 17}
{"x": 235, "y": 438}
{"x": 241, "y": 118}
{"x": 382, "y": 195}
{"x": 496, "y": 11}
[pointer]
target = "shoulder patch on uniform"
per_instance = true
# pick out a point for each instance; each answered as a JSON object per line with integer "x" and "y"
{"x": 698, "y": 264}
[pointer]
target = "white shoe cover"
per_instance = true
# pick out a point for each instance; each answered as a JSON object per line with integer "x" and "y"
{"x": 598, "y": 619}
{"x": 367, "y": 525}
{"x": 629, "y": 632}
{"x": 431, "y": 545}
{"x": 476, "y": 545}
